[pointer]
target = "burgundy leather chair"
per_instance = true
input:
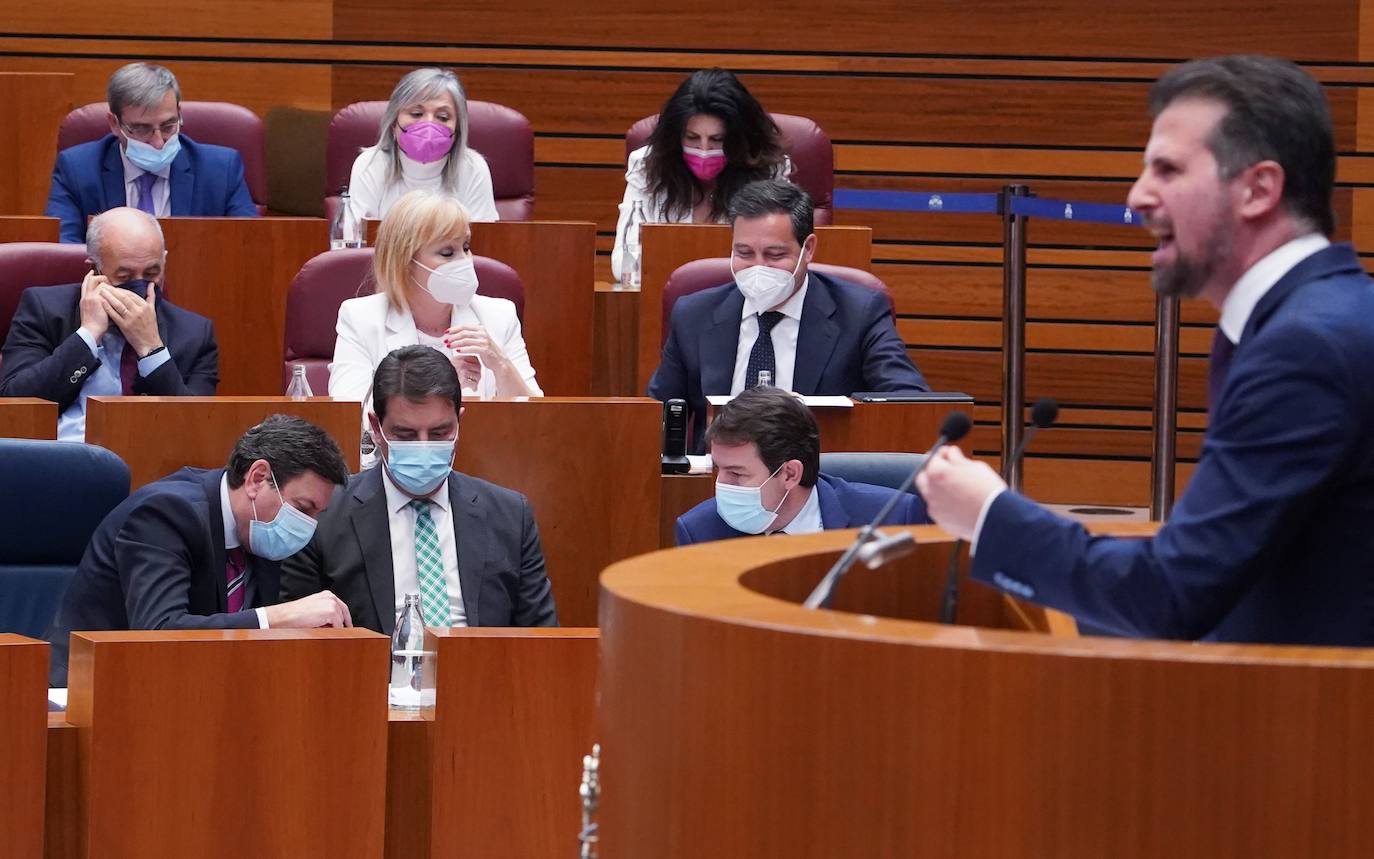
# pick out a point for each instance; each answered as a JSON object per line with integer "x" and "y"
{"x": 325, "y": 282}
{"x": 216, "y": 122}
{"x": 813, "y": 158}
{"x": 26, "y": 264}
{"x": 705, "y": 273}
{"x": 501, "y": 134}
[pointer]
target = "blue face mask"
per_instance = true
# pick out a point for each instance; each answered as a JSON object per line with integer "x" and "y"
{"x": 419, "y": 467}
{"x": 284, "y": 536}
{"x": 148, "y": 157}
{"x": 742, "y": 506}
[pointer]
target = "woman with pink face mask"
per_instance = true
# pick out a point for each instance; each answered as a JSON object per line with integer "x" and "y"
{"x": 423, "y": 147}
{"x": 712, "y": 139}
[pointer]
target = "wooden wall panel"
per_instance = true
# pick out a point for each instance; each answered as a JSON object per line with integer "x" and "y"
{"x": 1056, "y": 28}
{"x": 184, "y": 19}
{"x": 908, "y": 108}
{"x": 258, "y": 86}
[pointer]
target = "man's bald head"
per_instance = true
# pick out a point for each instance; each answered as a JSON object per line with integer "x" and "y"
{"x": 126, "y": 244}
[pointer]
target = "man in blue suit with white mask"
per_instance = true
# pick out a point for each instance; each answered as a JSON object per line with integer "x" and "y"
{"x": 1271, "y": 542}
{"x": 145, "y": 162}
{"x": 811, "y": 333}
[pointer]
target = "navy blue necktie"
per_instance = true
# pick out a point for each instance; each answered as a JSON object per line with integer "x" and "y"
{"x": 1218, "y": 366}
{"x": 761, "y": 356}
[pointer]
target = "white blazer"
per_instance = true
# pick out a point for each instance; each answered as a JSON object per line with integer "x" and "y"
{"x": 369, "y": 328}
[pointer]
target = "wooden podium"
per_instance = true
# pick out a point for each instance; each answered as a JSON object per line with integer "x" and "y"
{"x": 493, "y": 768}
{"x": 735, "y": 722}
{"x": 230, "y": 743}
{"x": 23, "y": 744}
{"x": 158, "y": 435}
{"x": 27, "y": 417}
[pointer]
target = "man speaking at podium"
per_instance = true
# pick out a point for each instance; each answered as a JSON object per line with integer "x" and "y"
{"x": 1273, "y": 539}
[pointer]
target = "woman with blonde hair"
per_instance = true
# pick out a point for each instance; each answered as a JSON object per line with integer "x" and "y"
{"x": 427, "y": 294}
{"x": 423, "y": 145}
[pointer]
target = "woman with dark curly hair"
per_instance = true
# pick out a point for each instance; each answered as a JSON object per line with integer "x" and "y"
{"x": 712, "y": 139}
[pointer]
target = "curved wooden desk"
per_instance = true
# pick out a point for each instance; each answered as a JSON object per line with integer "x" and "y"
{"x": 734, "y": 722}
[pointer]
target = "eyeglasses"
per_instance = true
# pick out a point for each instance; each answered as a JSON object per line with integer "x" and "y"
{"x": 145, "y": 132}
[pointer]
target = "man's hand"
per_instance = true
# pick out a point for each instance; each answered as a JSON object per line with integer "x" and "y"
{"x": 92, "y": 306}
{"x": 135, "y": 317}
{"x": 955, "y": 489}
{"x": 316, "y": 610}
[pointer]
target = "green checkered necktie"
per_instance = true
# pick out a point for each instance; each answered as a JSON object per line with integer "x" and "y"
{"x": 429, "y": 568}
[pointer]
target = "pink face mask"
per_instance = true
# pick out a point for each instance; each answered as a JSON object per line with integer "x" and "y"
{"x": 425, "y": 141}
{"x": 705, "y": 164}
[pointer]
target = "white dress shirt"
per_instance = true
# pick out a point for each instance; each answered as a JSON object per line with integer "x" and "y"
{"x": 231, "y": 541}
{"x": 162, "y": 191}
{"x": 401, "y": 522}
{"x": 785, "y": 334}
{"x": 1236, "y": 308}
{"x": 103, "y": 381}
{"x": 808, "y": 519}
{"x": 371, "y": 195}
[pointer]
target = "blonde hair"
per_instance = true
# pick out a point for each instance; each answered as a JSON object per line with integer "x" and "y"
{"x": 418, "y": 219}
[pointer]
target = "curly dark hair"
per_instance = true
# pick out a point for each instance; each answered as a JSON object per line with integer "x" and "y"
{"x": 753, "y": 144}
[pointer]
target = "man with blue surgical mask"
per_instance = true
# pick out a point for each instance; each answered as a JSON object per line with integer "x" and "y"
{"x": 778, "y": 322}
{"x": 111, "y": 335}
{"x": 413, "y": 525}
{"x": 146, "y": 161}
{"x": 200, "y": 548}
{"x": 767, "y": 452}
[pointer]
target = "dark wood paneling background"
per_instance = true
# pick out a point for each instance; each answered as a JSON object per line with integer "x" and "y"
{"x": 933, "y": 95}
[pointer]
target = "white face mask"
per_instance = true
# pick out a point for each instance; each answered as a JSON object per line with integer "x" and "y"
{"x": 454, "y": 282}
{"x": 764, "y": 287}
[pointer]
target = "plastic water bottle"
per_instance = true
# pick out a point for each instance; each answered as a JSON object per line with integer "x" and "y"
{"x": 346, "y": 231}
{"x": 408, "y": 658}
{"x": 632, "y": 257}
{"x": 299, "y": 389}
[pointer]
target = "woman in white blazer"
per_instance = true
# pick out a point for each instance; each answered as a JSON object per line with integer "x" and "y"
{"x": 426, "y": 294}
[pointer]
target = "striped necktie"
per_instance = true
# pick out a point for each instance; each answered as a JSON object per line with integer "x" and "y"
{"x": 236, "y": 575}
{"x": 429, "y": 568}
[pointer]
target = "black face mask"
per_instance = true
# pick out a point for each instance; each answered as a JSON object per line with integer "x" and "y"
{"x": 137, "y": 287}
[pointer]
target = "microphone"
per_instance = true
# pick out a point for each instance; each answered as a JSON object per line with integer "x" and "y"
{"x": 1043, "y": 414}
{"x": 877, "y": 552}
{"x": 954, "y": 427}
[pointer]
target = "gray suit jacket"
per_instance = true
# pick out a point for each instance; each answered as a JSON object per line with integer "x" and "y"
{"x": 500, "y": 561}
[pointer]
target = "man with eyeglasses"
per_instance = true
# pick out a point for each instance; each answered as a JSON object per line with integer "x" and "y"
{"x": 145, "y": 162}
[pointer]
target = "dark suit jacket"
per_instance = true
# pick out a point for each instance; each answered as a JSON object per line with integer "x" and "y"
{"x": 1273, "y": 541}
{"x": 88, "y": 178}
{"x": 843, "y": 505}
{"x": 157, "y": 562}
{"x": 847, "y": 342}
{"x": 500, "y": 561}
{"x": 44, "y": 357}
